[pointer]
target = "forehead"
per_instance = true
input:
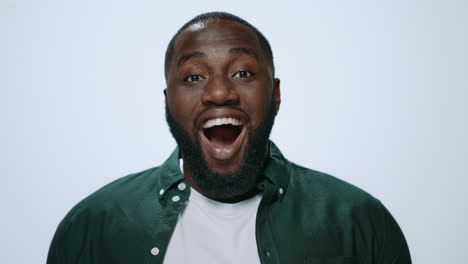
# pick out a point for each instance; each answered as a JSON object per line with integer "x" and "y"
{"x": 217, "y": 33}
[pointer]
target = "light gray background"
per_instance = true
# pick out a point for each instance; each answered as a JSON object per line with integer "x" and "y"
{"x": 374, "y": 92}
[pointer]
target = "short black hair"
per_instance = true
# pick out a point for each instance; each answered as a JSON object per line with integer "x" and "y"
{"x": 264, "y": 44}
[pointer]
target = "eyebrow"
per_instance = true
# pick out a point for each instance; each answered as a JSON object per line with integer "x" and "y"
{"x": 188, "y": 56}
{"x": 235, "y": 51}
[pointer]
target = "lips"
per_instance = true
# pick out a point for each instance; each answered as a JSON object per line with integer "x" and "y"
{"x": 222, "y": 133}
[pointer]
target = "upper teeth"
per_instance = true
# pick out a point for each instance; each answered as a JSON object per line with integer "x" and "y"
{"x": 222, "y": 121}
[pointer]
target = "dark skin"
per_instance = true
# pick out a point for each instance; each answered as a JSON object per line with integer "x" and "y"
{"x": 218, "y": 69}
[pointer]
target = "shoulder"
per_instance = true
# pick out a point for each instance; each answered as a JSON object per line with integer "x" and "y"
{"x": 348, "y": 212}
{"x": 322, "y": 189}
{"x": 107, "y": 215}
{"x": 120, "y": 193}
{"x": 323, "y": 184}
{"x": 339, "y": 215}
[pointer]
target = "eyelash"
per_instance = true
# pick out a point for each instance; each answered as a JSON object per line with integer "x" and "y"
{"x": 189, "y": 79}
{"x": 250, "y": 74}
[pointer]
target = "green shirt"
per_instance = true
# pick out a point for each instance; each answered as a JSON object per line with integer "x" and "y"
{"x": 304, "y": 217}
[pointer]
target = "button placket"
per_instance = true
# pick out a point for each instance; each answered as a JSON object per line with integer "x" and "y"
{"x": 182, "y": 186}
{"x": 264, "y": 235}
{"x": 175, "y": 198}
{"x": 155, "y": 251}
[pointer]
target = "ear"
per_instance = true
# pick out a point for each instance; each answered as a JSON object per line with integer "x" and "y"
{"x": 277, "y": 93}
{"x": 165, "y": 95}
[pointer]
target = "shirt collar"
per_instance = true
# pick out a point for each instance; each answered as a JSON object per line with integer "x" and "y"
{"x": 169, "y": 174}
{"x": 276, "y": 171}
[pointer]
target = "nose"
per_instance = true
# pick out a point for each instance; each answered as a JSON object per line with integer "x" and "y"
{"x": 220, "y": 91}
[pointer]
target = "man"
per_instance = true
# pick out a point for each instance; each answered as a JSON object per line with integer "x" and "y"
{"x": 226, "y": 194}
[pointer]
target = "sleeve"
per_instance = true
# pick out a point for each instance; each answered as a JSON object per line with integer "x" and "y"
{"x": 393, "y": 248}
{"x": 71, "y": 241}
{"x": 53, "y": 256}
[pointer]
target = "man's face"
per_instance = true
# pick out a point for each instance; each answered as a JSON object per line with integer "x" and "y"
{"x": 221, "y": 92}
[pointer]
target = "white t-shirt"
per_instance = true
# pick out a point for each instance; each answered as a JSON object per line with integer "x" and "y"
{"x": 212, "y": 232}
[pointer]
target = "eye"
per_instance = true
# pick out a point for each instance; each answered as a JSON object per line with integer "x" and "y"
{"x": 243, "y": 74}
{"x": 194, "y": 78}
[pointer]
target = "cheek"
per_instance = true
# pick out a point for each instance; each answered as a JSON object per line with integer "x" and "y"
{"x": 257, "y": 102}
{"x": 182, "y": 104}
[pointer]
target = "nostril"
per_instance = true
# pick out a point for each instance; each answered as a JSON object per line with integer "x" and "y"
{"x": 220, "y": 95}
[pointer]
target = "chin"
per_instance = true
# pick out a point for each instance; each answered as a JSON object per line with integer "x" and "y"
{"x": 226, "y": 170}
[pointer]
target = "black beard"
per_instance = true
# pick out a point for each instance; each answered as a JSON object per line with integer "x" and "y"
{"x": 234, "y": 186}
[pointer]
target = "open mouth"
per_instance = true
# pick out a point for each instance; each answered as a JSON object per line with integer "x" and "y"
{"x": 223, "y": 136}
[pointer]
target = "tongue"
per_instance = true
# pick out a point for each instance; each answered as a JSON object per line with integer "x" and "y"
{"x": 223, "y": 135}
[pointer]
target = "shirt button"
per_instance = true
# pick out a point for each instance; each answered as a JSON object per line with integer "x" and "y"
{"x": 267, "y": 252}
{"x": 161, "y": 192}
{"x": 182, "y": 186}
{"x": 280, "y": 191}
{"x": 155, "y": 251}
{"x": 176, "y": 198}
